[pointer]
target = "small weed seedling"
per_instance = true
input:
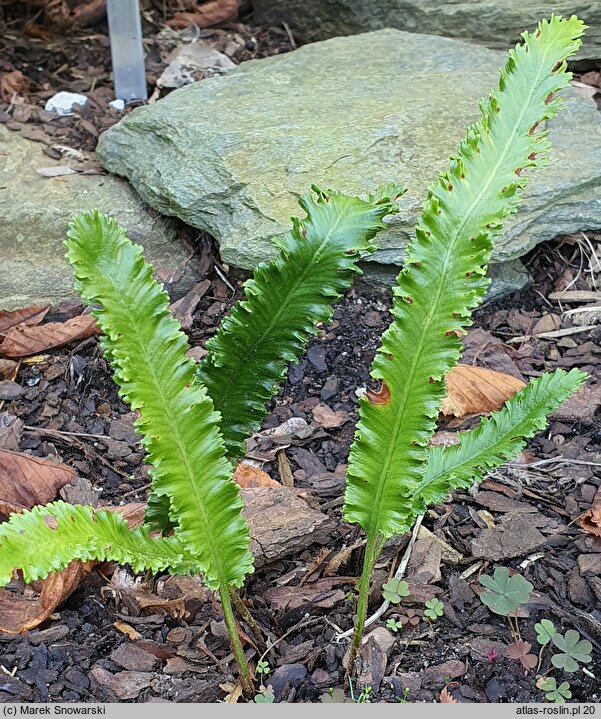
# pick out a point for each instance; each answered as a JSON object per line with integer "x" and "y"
{"x": 263, "y": 668}
{"x": 394, "y": 590}
{"x": 394, "y": 625}
{"x": 573, "y": 650}
{"x": 503, "y": 595}
{"x": 554, "y": 693}
{"x": 264, "y": 696}
{"x": 410, "y": 618}
{"x": 434, "y": 609}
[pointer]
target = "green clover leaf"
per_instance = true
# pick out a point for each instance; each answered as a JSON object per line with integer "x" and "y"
{"x": 394, "y": 590}
{"x": 434, "y": 609}
{"x": 554, "y": 693}
{"x": 545, "y": 631}
{"x": 573, "y": 650}
{"x": 504, "y": 594}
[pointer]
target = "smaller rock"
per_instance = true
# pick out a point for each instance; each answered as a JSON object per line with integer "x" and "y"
{"x": 80, "y": 491}
{"x": 406, "y": 681}
{"x": 330, "y": 388}
{"x": 375, "y": 650}
{"x": 513, "y": 537}
{"x": 122, "y": 429}
{"x": 441, "y": 674}
{"x": 118, "y": 105}
{"x": 124, "y": 685}
{"x": 62, "y": 103}
{"x": 131, "y": 657}
{"x": 283, "y": 677}
{"x": 46, "y": 636}
{"x": 589, "y": 564}
{"x": 317, "y": 357}
{"x": 495, "y": 690}
{"x": 372, "y": 319}
{"x": 10, "y": 390}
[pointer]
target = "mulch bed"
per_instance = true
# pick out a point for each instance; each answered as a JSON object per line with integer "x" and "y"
{"x": 105, "y": 644}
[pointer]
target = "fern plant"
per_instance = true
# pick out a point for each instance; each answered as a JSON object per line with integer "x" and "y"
{"x": 392, "y": 474}
{"x": 194, "y": 420}
{"x": 191, "y": 447}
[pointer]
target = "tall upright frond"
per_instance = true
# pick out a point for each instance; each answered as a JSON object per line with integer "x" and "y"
{"x": 444, "y": 276}
{"x": 179, "y": 427}
{"x": 287, "y": 297}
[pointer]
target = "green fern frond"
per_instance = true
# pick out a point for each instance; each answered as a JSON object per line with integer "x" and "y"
{"x": 498, "y": 439}
{"x": 179, "y": 427}
{"x": 444, "y": 277}
{"x": 249, "y": 355}
{"x": 47, "y": 538}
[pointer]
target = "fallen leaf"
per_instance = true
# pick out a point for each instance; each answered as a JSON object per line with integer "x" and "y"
{"x": 247, "y": 476}
{"x": 7, "y": 369}
{"x": 22, "y": 340}
{"x": 26, "y": 480}
{"x": 590, "y": 521}
{"x": 21, "y": 612}
{"x": 27, "y": 316}
{"x": 476, "y": 390}
{"x": 11, "y": 84}
{"x": 208, "y": 14}
{"x": 445, "y": 696}
{"x": 26, "y": 608}
{"x": 183, "y": 309}
{"x": 327, "y": 418}
{"x": 233, "y": 692}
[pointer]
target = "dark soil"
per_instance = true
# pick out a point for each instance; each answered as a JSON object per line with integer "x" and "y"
{"x": 89, "y": 651}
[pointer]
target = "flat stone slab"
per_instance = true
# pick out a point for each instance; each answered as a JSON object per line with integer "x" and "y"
{"x": 231, "y": 155}
{"x": 35, "y": 213}
{"x": 497, "y": 24}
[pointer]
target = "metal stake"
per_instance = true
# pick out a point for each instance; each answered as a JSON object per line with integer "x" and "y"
{"x": 125, "y": 30}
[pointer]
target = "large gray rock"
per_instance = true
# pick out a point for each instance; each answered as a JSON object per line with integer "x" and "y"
{"x": 497, "y": 24}
{"x": 231, "y": 155}
{"x": 35, "y": 213}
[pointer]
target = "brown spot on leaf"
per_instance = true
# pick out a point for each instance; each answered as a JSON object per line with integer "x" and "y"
{"x": 408, "y": 299}
{"x": 382, "y": 396}
{"x": 457, "y": 333}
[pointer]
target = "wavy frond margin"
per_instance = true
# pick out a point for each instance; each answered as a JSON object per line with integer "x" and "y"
{"x": 179, "y": 427}
{"x": 444, "y": 277}
{"x": 499, "y": 438}
{"x": 48, "y": 538}
{"x": 286, "y": 298}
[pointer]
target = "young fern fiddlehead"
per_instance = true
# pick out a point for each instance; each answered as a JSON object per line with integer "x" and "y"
{"x": 443, "y": 280}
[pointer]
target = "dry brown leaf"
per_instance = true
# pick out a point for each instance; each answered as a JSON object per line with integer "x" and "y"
{"x": 208, "y": 14}
{"x": 7, "y": 369}
{"x": 247, "y": 476}
{"x": 233, "y": 692}
{"x": 445, "y": 696}
{"x": 22, "y": 341}
{"x": 477, "y": 390}
{"x": 21, "y": 612}
{"x": 327, "y": 418}
{"x": 590, "y": 521}
{"x": 321, "y": 593}
{"x": 26, "y": 480}
{"x": 11, "y": 84}
{"x": 27, "y": 316}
